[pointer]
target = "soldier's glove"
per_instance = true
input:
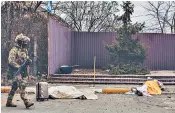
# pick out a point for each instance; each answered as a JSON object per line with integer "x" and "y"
{"x": 29, "y": 61}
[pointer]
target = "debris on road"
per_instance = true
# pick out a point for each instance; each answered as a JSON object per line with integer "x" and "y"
{"x": 108, "y": 70}
{"x": 115, "y": 90}
{"x": 30, "y": 90}
{"x": 112, "y": 90}
{"x": 149, "y": 88}
{"x": 70, "y": 92}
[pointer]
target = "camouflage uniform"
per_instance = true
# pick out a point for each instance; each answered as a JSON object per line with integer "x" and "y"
{"x": 17, "y": 57}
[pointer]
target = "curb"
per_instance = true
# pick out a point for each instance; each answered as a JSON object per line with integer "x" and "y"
{"x": 6, "y": 89}
{"x": 108, "y": 79}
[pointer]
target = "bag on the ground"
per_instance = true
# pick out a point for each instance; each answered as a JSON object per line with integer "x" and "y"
{"x": 42, "y": 91}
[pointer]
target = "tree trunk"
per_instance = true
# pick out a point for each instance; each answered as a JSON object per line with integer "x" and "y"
{"x": 8, "y": 22}
{"x": 174, "y": 22}
{"x": 10, "y": 19}
{"x": 35, "y": 57}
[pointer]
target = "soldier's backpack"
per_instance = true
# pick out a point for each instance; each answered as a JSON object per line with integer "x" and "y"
{"x": 42, "y": 91}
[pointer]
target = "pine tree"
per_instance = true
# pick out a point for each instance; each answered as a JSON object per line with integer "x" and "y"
{"x": 127, "y": 54}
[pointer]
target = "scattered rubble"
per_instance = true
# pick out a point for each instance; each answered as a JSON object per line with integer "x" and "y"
{"x": 89, "y": 71}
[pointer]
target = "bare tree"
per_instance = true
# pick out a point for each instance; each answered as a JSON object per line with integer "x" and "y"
{"x": 11, "y": 12}
{"x": 19, "y": 7}
{"x": 88, "y": 16}
{"x": 163, "y": 13}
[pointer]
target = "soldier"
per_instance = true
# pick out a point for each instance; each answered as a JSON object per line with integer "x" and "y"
{"x": 17, "y": 56}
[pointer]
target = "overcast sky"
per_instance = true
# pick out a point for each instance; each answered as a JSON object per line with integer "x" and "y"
{"x": 139, "y": 14}
{"x": 139, "y": 11}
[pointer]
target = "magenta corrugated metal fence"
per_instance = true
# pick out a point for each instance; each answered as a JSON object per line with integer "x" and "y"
{"x": 59, "y": 46}
{"x": 70, "y": 48}
{"x": 86, "y": 45}
{"x": 160, "y": 50}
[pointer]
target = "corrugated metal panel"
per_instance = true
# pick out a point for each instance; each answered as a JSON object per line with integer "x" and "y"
{"x": 80, "y": 47}
{"x": 90, "y": 44}
{"x": 161, "y": 51}
{"x": 59, "y": 46}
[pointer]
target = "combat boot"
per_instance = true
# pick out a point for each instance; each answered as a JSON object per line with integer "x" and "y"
{"x": 28, "y": 104}
{"x": 10, "y": 104}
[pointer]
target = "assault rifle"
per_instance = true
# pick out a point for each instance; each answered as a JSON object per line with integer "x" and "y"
{"x": 23, "y": 66}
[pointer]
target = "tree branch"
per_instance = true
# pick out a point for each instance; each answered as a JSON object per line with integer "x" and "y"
{"x": 37, "y": 5}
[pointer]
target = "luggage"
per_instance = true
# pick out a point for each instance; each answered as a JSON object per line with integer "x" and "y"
{"x": 42, "y": 91}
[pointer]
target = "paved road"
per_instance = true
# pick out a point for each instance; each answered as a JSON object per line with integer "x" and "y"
{"x": 106, "y": 103}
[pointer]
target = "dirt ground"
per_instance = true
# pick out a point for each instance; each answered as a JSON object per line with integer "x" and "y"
{"x": 88, "y": 71}
{"x": 100, "y": 71}
{"x": 106, "y": 103}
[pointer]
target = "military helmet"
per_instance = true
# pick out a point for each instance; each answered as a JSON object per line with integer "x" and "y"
{"x": 23, "y": 38}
